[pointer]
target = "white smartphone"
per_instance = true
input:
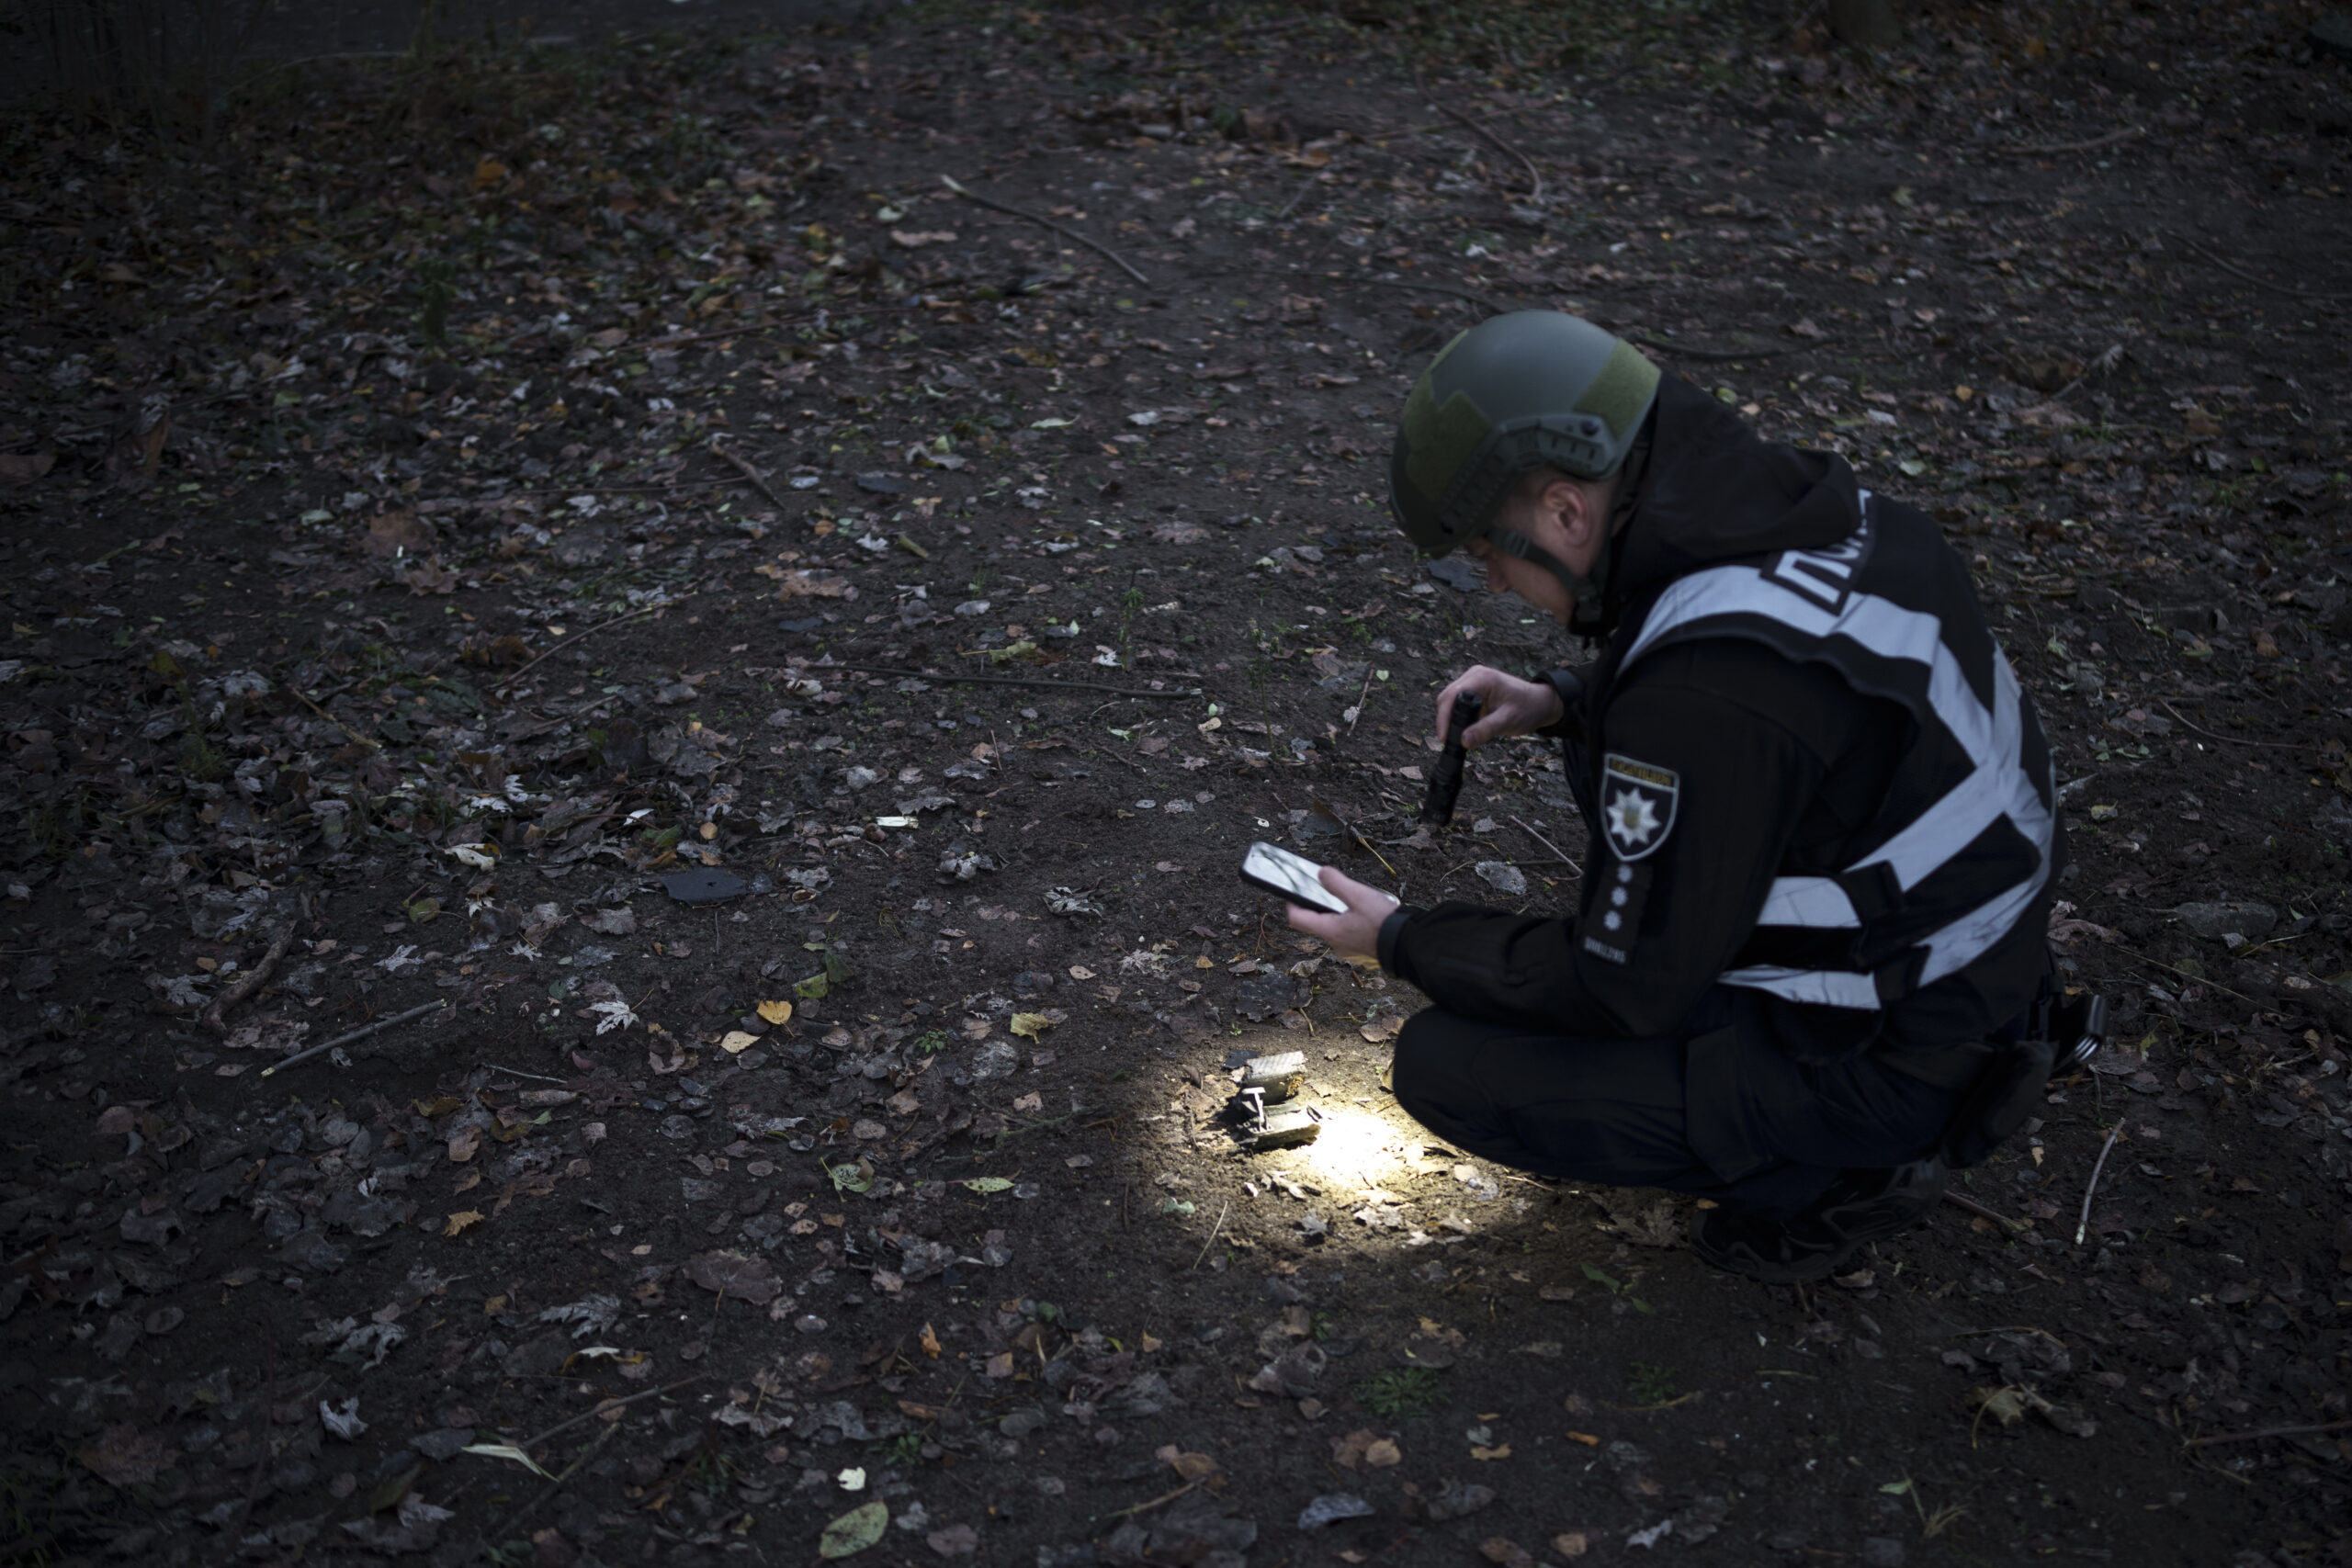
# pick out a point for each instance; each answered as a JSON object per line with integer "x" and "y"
{"x": 1278, "y": 870}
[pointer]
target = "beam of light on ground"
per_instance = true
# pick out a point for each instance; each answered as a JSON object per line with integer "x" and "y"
{"x": 1357, "y": 1145}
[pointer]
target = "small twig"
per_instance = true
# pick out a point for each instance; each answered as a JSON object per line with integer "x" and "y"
{"x": 575, "y": 641}
{"x": 514, "y": 1520}
{"x": 2083, "y": 1225}
{"x": 2226, "y": 739}
{"x": 359, "y": 1034}
{"x": 1297, "y": 197}
{"x": 216, "y": 1016}
{"x": 304, "y": 698}
{"x": 2007, "y": 1329}
{"x": 1023, "y": 1132}
{"x": 2265, "y": 1432}
{"x": 2109, "y": 140}
{"x": 1715, "y": 356}
{"x": 759, "y": 481}
{"x": 2234, "y": 268}
{"x": 2192, "y": 979}
{"x": 1005, "y": 681}
{"x": 1547, "y": 844}
{"x": 1095, "y": 245}
{"x": 517, "y": 1072}
{"x": 1204, "y": 1252}
{"x": 1662, "y": 1404}
{"x": 559, "y": 721}
{"x": 1973, "y": 1206}
{"x": 1155, "y": 1502}
{"x": 1534, "y": 176}
{"x": 1362, "y": 692}
{"x": 604, "y": 1408}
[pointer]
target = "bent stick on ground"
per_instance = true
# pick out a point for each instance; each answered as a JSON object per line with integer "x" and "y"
{"x": 2083, "y": 1225}
{"x": 1095, "y": 245}
{"x": 360, "y": 1033}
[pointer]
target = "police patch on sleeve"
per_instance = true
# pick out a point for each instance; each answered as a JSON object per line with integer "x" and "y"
{"x": 1637, "y": 804}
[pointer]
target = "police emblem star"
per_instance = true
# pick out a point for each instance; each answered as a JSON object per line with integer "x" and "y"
{"x": 1637, "y": 802}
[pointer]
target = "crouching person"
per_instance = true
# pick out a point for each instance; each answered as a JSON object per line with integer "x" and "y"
{"x": 1807, "y": 970}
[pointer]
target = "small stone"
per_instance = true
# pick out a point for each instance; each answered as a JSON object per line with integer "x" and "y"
{"x": 2219, "y": 921}
{"x": 1331, "y": 1508}
{"x": 1455, "y": 1500}
{"x": 1503, "y": 877}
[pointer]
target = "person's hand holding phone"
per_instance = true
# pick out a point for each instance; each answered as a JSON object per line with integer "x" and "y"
{"x": 1513, "y": 706}
{"x": 1355, "y": 934}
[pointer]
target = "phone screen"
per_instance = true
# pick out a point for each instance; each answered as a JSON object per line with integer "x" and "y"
{"x": 1278, "y": 870}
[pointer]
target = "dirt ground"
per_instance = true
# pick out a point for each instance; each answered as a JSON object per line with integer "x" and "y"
{"x": 609, "y": 549}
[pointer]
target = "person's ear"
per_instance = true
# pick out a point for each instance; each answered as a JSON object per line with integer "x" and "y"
{"x": 1571, "y": 508}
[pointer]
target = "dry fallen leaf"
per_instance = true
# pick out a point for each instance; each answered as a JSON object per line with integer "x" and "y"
{"x": 737, "y": 1041}
{"x": 735, "y": 1274}
{"x": 1383, "y": 1454}
{"x": 125, "y": 1456}
{"x": 396, "y": 533}
{"x": 463, "y": 1142}
{"x": 775, "y": 1012}
{"x": 460, "y": 1220}
{"x": 955, "y": 1540}
{"x": 807, "y": 583}
{"x": 1572, "y": 1543}
{"x": 929, "y": 1342}
{"x": 854, "y": 1531}
{"x": 1505, "y": 1552}
{"x": 1188, "y": 1466}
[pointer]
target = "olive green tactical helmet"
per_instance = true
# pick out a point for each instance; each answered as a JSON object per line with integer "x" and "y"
{"x": 1529, "y": 389}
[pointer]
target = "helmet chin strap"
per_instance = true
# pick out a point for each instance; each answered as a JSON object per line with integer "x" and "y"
{"x": 1591, "y": 614}
{"x": 1584, "y": 590}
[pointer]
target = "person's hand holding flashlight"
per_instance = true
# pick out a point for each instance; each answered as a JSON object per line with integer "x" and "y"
{"x": 1512, "y": 707}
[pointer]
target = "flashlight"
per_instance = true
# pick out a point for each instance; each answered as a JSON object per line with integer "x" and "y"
{"x": 1445, "y": 779}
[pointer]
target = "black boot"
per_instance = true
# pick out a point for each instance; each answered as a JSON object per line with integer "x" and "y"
{"x": 1860, "y": 1207}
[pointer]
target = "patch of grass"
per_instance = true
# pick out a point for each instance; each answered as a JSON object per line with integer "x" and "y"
{"x": 1650, "y": 1384}
{"x": 437, "y": 291}
{"x": 1409, "y": 1391}
{"x": 199, "y": 760}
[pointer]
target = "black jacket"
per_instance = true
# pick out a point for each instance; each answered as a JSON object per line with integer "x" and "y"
{"x": 1731, "y": 764}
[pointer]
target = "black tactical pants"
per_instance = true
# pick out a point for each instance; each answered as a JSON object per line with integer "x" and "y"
{"x": 1714, "y": 1109}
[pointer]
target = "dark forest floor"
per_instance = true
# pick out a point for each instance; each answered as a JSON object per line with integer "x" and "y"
{"x": 477, "y": 494}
